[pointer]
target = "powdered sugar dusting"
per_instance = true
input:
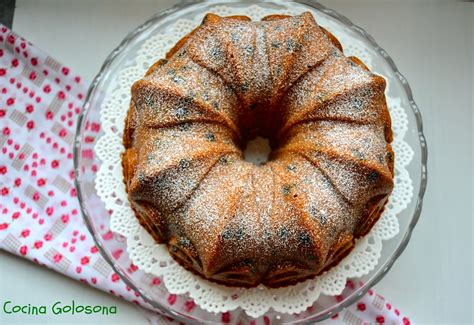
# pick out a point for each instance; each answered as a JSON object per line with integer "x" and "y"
{"x": 228, "y": 219}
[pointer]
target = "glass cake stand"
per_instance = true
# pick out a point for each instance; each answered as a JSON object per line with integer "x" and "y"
{"x": 97, "y": 218}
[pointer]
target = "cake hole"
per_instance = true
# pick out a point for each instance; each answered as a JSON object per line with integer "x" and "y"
{"x": 257, "y": 151}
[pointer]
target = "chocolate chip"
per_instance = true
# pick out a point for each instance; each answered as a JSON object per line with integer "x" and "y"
{"x": 283, "y": 233}
{"x": 239, "y": 234}
{"x": 181, "y": 112}
{"x": 304, "y": 239}
{"x": 184, "y": 163}
{"x": 286, "y": 189}
{"x": 245, "y": 87}
{"x": 223, "y": 160}
{"x": 184, "y": 127}
{"x": 210, "y": 136}
{"x": 356, "y": 103}
{"x": 290, "y": 45}
{"x": 141, "y": 178}
{"x": 373, "y": 176}
{"x": 226, "y": 234}
{"x": 149, "y": 100}
{"x": 184, "y": 242}
{"x": 291, "y": 168}
{"x": 323, "y": 217}
{"x": 276, "y": 45}
{"x": 216, "y": 53}
{"x": 177, "y": 79}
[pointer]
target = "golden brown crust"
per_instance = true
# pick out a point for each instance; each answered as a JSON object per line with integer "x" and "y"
{"x": 335, "y": 41}
{"x": 199, "y": 134}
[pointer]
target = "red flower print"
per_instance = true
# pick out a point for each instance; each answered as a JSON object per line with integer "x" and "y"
{"x": 10, "y": 101}
{"x": 172, "y": 299}
{"x": 189, "y": 305}
{"x": 23, "y": 250}
{"x": 34, "y": 61}
{"x": 3, "y": 170}
{"x": 49, "y": 211}
{"x": 65, "y": 71}
{"x": 5, "y": 191}
{"x": 85, "y": 260}
{"x": 380, "y": 319}
{"x": 115, "y": 277}
{"x": 3, "y": 226}
{"x": 17, "y": 182}
{"x": 406, "y": 321}
{"x": 65, "y": 218}
{"x": 108, "y": 235}
{"x": 95, "y": 127}
{"x": 361, "y": 306}
{"x": 30, "y": 124}
{"x": 25, "y": 233}
{"x": 57, "y": 258}
{"x": 3, "y": 72}
{"x": 117, "y": 253}
{"x": 38, "y": 244}
{"x": 132, "y": 268}
{"x": 55, "y": 164}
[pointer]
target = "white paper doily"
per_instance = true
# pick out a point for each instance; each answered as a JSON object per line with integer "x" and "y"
{"x": 155, "y": 259}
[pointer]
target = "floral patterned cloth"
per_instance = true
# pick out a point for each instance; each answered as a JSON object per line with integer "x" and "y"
{"x": 39, "y": 212}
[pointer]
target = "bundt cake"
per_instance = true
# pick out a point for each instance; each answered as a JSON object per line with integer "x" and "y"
{"x": 327, "y": 178}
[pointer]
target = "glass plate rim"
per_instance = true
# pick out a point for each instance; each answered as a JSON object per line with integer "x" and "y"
{"x": 406, "y": 87}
